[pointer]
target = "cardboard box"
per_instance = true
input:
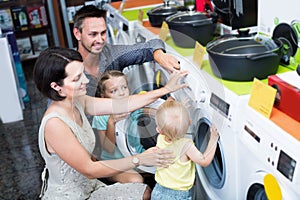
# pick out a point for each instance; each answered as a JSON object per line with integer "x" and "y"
{"x": 6, "y": 20}
{"x": 287, "y": 98}
{"x": 37, "y": 16}
{"x": 39, "y": 42}
{"x": 71, "y": 13}
{"x": 24, "y": 47}
{"x": 20, "y": 18}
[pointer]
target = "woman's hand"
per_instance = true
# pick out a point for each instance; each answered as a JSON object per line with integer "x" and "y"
{"x": 119, "y": 117}
{"x": 156, "y": 157}
{"x": 173, "y": 83}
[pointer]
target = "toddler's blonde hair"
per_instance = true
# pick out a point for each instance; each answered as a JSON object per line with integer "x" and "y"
{"x": 172, "y": 118}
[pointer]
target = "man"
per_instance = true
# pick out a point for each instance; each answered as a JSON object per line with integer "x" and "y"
{"x": 90, "y": 32}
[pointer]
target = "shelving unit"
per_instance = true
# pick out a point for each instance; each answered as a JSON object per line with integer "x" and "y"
{"x": 31, "y": 24}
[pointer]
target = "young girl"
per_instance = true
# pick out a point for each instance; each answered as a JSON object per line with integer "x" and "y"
{"x": 176, "y": 181}
{"x": 113, "y": 84}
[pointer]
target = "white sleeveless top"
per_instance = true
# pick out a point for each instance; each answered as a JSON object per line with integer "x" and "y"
{"x": 61, "y": 181}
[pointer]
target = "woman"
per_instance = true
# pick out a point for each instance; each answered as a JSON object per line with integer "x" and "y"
{"x": 66, "y": 139}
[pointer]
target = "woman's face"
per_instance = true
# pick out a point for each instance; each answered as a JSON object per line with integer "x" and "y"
{"x": 75, "y": 82}
{"x": 116, "y": 88}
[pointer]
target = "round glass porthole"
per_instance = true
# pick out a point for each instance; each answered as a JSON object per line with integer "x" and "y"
{"x": 215, "y": 172}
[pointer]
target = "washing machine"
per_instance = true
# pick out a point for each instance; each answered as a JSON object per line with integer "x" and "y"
{"x": 138, "y": 132}
{"x": 265, "y": 150}
{"x": 222, "y": 107}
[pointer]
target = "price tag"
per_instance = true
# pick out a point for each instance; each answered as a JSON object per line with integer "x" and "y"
{"x": 141, "y": 16}
{"x": 164, "y": 31}
{"x": 199, "y": 52}
{"x": 122, "y": 5}
{"x": 262, "y": 98}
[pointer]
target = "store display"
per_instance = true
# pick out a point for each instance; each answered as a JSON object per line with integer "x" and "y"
{"x": 10, "y": 103}
{"x": 24, "y": 47}
{"x": 158, "y": 14}
{"x": 188, "y": 27}
{"x": 39, "y": 42}
{"x": 71, "y": 12}
{"x": 18, "y": 65}
{"x": 5, "y": 19}
{"x": 244, "y": 58}
{"x": 37, "y": 16}
{"x": 20, "y": 18}
{"x": 27, "y": 20}
{"x": 288, "y": 96}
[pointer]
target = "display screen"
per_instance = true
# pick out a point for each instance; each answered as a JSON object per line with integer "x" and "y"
{"x": 251, "y": 133}
{"x": 219, "y": 104}
{"x": 286, "y": 165}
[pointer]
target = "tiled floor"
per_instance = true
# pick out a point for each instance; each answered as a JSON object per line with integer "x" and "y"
{"x": 20, "y": 160}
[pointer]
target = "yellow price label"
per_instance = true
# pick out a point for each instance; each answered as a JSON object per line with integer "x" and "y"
{"x": 262, "y": 98}
{"x": 141, "y": 16}
{"x": 199, "y": 52}
{"x": 164, "y": 31}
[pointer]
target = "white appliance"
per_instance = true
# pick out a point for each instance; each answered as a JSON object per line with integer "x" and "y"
{"x": 10, "y": 101}
{"x": 139, "y": 131}
{"x": 270, "y": 13}
{"x": 151, "y": 76}
{"x": 264, "y": 148}
{"x": 222, "y": 107}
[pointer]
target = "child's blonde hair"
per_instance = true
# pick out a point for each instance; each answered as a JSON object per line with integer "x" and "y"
{"x": 172, "y": 118}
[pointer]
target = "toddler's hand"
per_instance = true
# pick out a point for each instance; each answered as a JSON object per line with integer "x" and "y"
{"x": 214, "y": 132}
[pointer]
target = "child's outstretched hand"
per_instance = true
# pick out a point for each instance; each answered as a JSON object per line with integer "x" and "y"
{"x": 174, "y": 83}
{"x": 214, "y": 132}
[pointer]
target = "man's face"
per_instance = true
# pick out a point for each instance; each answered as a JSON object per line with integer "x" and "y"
{"x": 93, "y": 35}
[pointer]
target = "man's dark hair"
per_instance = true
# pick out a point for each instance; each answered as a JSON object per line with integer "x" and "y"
{"x": 85, "y": 12}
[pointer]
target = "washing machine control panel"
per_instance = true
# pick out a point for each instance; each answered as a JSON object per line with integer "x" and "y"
{"x": 274, "y": 151}
{"x": 219, "y": 104}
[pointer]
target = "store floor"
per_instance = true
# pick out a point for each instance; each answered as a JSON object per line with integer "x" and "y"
{"x": 20, "y": 161}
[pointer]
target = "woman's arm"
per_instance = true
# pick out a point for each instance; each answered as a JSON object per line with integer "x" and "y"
{"x": 61, "y": 140}
{"x": 103, "y": 106}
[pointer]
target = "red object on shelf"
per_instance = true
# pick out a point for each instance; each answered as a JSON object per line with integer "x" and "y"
{"x": 289, "y": 97}
{"x": 204, "y": 5}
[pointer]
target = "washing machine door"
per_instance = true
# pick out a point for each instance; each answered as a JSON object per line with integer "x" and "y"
{"x": 257, "y": 192}
{"x": 149, "y": 76}
{"x": 214, "y": 173}
{"x": 259, "y": 186}
{"x": 138, "y": 132}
